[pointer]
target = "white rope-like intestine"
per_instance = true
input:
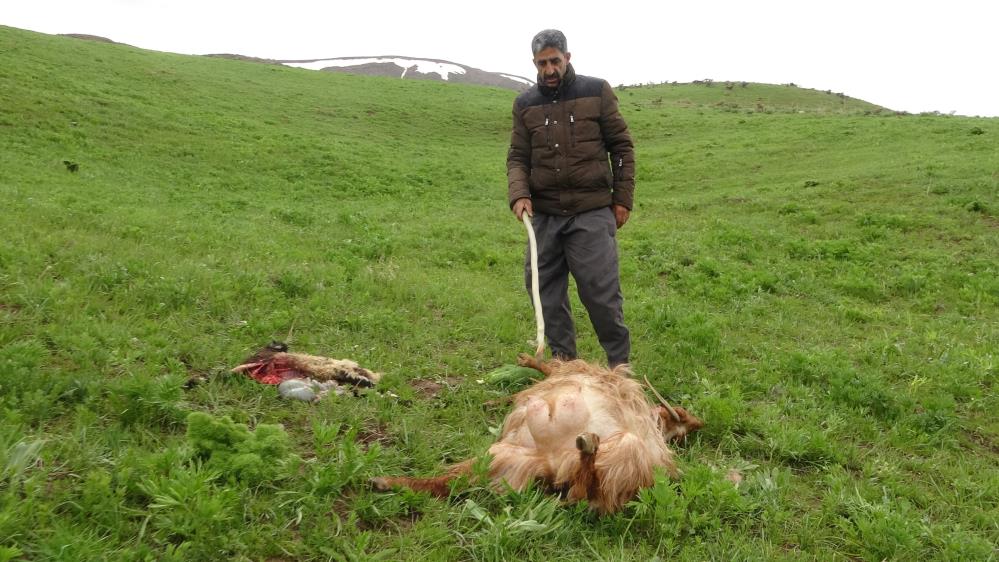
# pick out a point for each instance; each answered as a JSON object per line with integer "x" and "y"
{"x": 535, "y": 290}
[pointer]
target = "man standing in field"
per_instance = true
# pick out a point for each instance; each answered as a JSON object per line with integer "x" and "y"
{"x": 564, "y": 131}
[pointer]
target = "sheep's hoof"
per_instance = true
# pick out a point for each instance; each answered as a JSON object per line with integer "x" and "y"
{"x": 380, "y": 484}
{"x": 587, "y": 443}
{"x": 529, "y": 361}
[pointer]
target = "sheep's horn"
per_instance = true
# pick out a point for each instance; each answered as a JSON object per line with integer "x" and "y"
{"x": 246, "y": 367}
{"x": 672, "y": 412}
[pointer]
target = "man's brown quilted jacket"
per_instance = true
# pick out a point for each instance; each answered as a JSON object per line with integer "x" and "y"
{"x": 570, "y": 150}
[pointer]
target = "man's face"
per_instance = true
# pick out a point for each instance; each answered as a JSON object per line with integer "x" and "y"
{"x": 551, "y": 64}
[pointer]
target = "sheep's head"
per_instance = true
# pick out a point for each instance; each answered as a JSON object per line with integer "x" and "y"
{"x": 676, "y": 422}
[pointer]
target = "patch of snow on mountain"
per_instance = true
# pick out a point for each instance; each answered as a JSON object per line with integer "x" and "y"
{"x": 518, "y": 79}
{"x": 423, "y": 66}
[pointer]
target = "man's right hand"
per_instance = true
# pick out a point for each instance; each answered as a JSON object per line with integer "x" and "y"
{"x": 521, "y": 206}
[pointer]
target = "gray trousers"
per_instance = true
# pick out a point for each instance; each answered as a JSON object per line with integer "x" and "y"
{"x": 584, "y": 246}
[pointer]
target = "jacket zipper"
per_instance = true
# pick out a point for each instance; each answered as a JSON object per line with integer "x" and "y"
{"x": 548, "y": 131}
{"x": 572, "y": 128}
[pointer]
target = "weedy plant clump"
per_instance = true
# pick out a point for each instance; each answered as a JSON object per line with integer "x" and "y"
{"x": 252, "y": 457}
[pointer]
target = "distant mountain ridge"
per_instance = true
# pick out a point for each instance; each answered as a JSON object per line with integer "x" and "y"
{"x": 403, "y": 67}
{"x": 407, "y": 68}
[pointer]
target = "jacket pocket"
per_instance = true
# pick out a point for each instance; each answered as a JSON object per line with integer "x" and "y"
{"x": 548, "y": 130}
{"x": 617, "y": 163}
{"x": 572, "y": 128}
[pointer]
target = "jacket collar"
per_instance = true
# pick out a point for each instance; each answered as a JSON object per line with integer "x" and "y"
{"x": 563, "y": 85}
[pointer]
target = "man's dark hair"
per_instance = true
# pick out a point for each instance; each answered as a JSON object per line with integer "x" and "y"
{"x": 548, "y": 38}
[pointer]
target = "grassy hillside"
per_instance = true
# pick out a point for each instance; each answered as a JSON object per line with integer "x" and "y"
{"x": 817, "y": 279}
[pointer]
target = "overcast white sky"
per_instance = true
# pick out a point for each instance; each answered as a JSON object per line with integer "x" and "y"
{"x": 913, "y": 56}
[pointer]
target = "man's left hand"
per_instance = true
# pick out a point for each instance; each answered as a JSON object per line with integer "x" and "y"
{"x": 621, "y": 215}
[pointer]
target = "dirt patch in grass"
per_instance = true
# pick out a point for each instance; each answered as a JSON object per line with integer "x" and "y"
{"x": 399, "y": 523}
{"x": 343, "y": 507}
{"x": 377, "y": 433}
{"x": 428, "y": 388}
{"x": 984, "y": 441}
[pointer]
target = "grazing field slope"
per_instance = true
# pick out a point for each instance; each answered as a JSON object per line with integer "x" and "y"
{"x": 814, "y": 276}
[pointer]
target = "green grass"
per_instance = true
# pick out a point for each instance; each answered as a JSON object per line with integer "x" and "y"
{"x": 816, "y": 277}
